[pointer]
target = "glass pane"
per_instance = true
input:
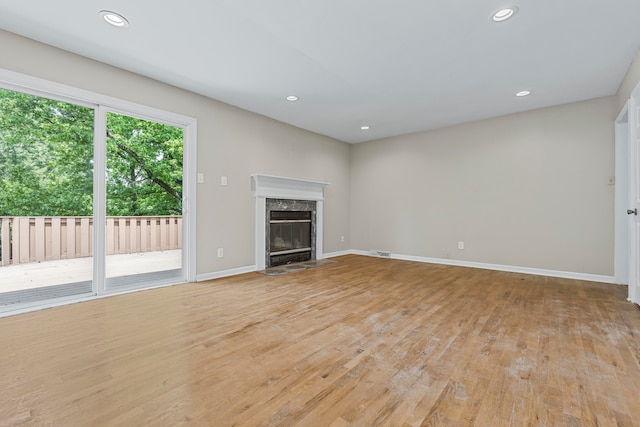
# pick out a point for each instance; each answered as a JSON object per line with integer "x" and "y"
{"x": 144, "y": 201}
{"x": 46, "y": 198}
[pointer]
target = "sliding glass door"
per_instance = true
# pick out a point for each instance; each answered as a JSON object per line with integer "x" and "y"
{"x": 91, "y": 197}
{"x": 46, "y": 198}
{"x": 144, "y": 176}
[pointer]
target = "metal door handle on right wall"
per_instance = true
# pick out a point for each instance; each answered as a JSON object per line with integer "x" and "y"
{"x": 634, "y": 211}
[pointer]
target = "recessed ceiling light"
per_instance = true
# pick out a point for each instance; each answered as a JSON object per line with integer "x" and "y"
{"x": 114, "y": 19}
{"x": 292, "y": 98}
{"x": 523, "y": 93}
{"x": 504, "y": 14}
{"x": 364, "y": 127}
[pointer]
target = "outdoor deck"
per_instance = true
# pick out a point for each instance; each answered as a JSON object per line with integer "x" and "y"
{"x": 49, "y": 273}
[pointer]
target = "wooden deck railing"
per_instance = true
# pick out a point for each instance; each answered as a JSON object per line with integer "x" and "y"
{"x": 35, "y": 239}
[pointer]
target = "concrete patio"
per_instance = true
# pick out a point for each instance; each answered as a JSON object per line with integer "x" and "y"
{"x": 49, "y": 273}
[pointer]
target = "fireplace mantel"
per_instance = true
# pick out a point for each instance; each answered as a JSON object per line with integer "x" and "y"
{"x": 278, "y": 187}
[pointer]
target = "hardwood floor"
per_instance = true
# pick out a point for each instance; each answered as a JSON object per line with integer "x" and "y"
{"x": 360, "y": 342}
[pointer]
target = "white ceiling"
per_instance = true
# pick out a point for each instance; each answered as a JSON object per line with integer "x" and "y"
{"x": 399, "y": 66}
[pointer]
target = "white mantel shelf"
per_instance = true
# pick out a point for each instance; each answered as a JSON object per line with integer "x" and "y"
{"x": 288, "y": 188}
{"x": 278, "y": 187}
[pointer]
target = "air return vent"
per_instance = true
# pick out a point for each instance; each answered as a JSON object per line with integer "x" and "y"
{"x": 381, "y": 254}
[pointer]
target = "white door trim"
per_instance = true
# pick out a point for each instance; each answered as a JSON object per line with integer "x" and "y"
{"x": 621, "y": 248}
{"x": 634, "y": 195}
{"x": 99, "y": 205}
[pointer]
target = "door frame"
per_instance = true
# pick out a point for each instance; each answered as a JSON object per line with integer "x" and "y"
{"x": 188, "y": 127}
{"x": 627, "y": 167}
{"x": 621, "y": 220}
{"x": 633, "y": 193}
{"x": 41, "y": 87}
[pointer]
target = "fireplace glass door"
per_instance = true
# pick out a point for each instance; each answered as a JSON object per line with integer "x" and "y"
{"x": 289, "y": 237}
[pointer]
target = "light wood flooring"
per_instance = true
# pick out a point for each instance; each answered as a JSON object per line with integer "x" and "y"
{"x": 361, "y": 342}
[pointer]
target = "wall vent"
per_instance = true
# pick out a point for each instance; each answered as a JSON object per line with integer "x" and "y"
{"x": 381, "y": 254}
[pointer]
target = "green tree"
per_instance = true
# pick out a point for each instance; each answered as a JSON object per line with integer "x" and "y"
{"x": 144, "y": 167}
{"x": 46, "y": 152}
{"x": 46, "y": 161}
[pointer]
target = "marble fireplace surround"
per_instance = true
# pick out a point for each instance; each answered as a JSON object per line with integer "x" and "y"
{"x": 277, "y": 187}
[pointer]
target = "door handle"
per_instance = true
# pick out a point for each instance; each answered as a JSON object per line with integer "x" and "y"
{"x": 634, "y": 211}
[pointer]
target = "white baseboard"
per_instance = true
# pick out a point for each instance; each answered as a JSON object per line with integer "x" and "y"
{"x": 443, "y": 261}
{"x": 252, "y": 268}
{"x": 226, "y": 273}
{"x": 498, "y": 267}
{"x": 335, "y": 254}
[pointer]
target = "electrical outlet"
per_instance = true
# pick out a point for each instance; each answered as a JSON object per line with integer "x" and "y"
{"x": 460, "y": 245}
{"x": 342, "y": 239}
{"x": 223, "y": 180}
{"x": 220, "y": 252}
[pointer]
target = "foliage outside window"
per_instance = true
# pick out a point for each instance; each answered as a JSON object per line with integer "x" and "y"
{"x": 46, "y": 161}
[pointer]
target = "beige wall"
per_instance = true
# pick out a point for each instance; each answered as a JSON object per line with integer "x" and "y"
{"x": 526, "y": 190}
{"x": 630, "y": 82}
{"x": 231, "y": 142}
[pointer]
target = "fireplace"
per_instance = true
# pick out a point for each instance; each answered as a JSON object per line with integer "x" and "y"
{"x": 280, "y": 194}
{"x": 290, "y": 231}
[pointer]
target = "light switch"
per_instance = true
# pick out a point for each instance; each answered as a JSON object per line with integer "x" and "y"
{"x": 200, "y": 178}
{"x": 223, "y": 180}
